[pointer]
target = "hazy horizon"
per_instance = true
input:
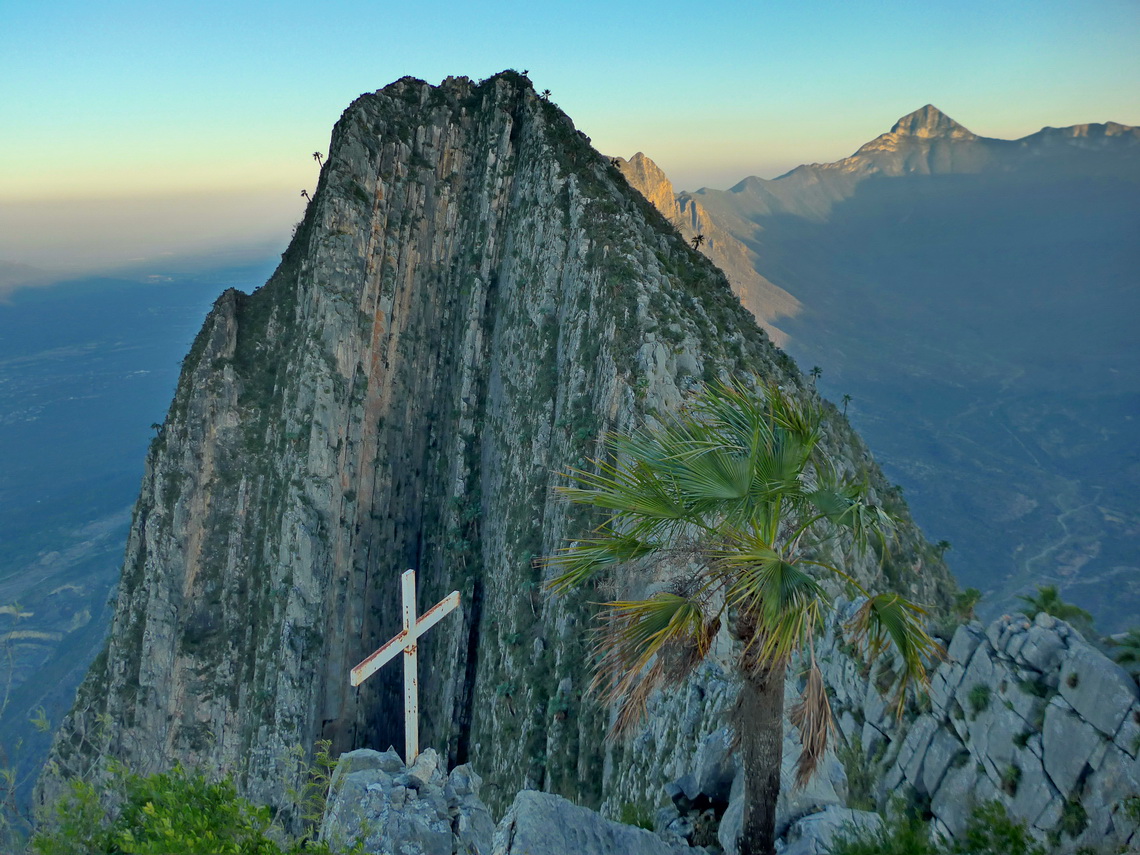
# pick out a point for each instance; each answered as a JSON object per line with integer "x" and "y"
{"x": 130, "y": 135}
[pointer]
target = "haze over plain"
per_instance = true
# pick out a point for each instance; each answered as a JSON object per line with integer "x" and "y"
{"x": 183, "y": 127}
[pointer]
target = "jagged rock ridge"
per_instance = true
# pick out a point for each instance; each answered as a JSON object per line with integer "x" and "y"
{"x": 473, "y": 297}
{"x": 925, "y": 142}
{"x": 767, "y": 302}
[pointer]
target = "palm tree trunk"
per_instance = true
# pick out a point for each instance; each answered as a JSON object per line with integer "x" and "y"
{"x": 760, "y": 724}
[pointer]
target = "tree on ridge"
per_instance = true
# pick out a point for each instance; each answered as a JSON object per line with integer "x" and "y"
{"x": 1048, "y": 600}
{"x": 317, "y": 157}
{"x": 736, "y": 492}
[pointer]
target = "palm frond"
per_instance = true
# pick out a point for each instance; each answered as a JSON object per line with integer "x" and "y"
{"x": 782, "y": 601}
{"x": 584, "y": 558}
{"x": 892, "y": 619}
{"x": 845, "y": 507}
{"x": 812, "y": 717}
{"x": 629, "y": 489}
{"x": 635, "y": 631}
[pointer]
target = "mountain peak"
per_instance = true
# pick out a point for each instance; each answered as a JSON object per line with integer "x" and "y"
{"x": 927, "y": 122}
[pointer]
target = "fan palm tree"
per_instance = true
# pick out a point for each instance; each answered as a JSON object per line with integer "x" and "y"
{"x": 305, "y": 193}
{"x": 815, "y": 373}
{"x": 698, "y": 240}
{"x": 317, "y": 157}
{"x": 1049, "y": 601}
{"x": 734, "y": 496}
{"x": 1126, "y": 650}
{"x": 846, "y": 401}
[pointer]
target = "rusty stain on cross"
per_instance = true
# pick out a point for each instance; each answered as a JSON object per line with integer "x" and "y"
{"x": 405, "y": 641}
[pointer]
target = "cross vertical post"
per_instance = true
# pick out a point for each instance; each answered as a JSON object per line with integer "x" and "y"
{"x": 411, "y": 671}
{"x": 406, "y": 641}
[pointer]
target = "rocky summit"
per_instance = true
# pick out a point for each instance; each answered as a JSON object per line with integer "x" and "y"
{"x": 472, "y": 299}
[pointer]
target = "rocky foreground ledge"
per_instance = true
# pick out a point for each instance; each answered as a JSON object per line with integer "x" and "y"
{"x": 420, "y": 810}
{"x": 1024, "y": 712}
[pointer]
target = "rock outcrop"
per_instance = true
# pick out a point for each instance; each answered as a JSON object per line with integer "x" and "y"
{"x": 474, "y": 297}
{"x": 545, "y": 823}
{"x": 1029, "y": 713}
{"x": 390, "y": 809}
{"x": 1024, "y": 712}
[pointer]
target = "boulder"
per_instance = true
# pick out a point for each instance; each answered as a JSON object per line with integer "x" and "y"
{"x": 731, "y": 824}
{"x": 965, "y": 641}
{"x": 392, "y": 810}
{"x": 716, "y": 766}
{"x": 1043, "y": 647}
{"x": 945, "y": 750}
{"x": 1069, "y": 744}
{"x": 546, "y": 824}
{"x": 954, "y": 800}
{"x": 1099, "y": 690}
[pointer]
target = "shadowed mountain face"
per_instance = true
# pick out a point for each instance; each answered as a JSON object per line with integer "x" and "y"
{"x": 977, "y": 300}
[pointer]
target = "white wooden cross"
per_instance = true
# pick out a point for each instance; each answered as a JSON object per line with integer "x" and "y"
{"x": 405, "y": 640}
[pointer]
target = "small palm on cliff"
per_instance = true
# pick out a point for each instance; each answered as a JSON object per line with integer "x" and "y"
{"x": 1126, "y": 650}
{"x": 731, "y": 500}
{"x": 1048, "y": 600}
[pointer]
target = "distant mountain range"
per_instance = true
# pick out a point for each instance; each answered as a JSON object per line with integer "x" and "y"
{"x": 977, "y": 298}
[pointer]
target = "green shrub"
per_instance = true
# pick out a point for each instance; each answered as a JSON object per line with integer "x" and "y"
{"x": 1010, "y": 778}
{"x": 979, "y": 698}
{"x": 633, "y": 814}
{"x": 990, "y": 831}
{"x": 1131, "y": 807}
{"x": 172, "y": 813}
{"x": 1074, "y": 819}
{"x": 860, "y": 775}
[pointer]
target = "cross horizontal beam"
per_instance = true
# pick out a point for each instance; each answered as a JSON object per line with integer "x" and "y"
{"x": 405, "y": 642}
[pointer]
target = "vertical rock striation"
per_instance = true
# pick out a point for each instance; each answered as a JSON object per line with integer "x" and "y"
{"x": 473, "y": 297}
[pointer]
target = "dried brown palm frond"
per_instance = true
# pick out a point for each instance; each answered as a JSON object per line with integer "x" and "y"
{"x": 812, "y": 717}
{"x": 644, "y": 644}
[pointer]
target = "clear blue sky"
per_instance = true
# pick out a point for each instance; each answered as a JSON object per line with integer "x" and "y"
{"x": 152, "y": 100}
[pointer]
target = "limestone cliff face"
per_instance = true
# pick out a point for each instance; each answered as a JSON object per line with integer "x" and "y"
{"x": 473, "y": 297}
{"x": 1025, "y": 712}
{"x": 767, "y": 302}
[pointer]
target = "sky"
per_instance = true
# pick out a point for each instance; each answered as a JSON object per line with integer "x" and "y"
{"x": 144, "y": 130}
